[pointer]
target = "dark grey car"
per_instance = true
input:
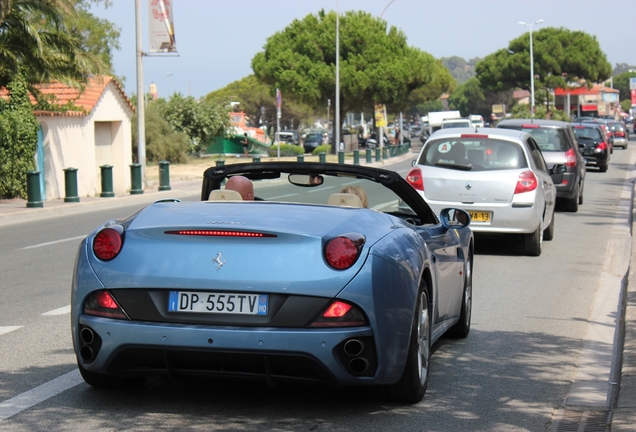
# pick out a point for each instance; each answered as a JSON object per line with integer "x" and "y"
{"x": 559, "y": 145}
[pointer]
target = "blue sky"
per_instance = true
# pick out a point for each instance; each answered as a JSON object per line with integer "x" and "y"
{"x": 217, "y": 39}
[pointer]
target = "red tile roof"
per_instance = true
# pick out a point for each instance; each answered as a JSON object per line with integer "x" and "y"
{"x": 63, "y": 94}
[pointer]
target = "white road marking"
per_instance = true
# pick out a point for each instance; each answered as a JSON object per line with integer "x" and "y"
{"x": 282, "y": 196}
{"x": 54, "y": 242}
{"x": 7, "y": 329}
{"x": 32, "y": 397}
{"x": 320, "y": 189}
{"x": 385, "y": 205}
{"x": 59, "y": 311}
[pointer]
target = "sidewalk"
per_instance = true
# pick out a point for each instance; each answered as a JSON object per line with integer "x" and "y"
{"x": 624, "y": 414}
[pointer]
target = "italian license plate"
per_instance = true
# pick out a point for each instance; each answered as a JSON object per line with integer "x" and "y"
{"x": 218, "y": 303}
{"x": 479, "y": 216}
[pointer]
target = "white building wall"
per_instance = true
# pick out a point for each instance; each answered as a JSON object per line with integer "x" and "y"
{"x": 70, "y": 142}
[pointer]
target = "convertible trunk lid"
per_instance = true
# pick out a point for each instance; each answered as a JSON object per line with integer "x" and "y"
{"x": 291, "y": 261}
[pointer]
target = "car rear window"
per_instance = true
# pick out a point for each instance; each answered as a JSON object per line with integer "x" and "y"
{"x": 475, "y": 154}
{"x": 587, "y": 132}
{"x": 549, "y": 139}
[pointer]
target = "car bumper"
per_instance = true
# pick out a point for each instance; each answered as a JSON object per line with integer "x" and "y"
{"x": 508, "y": 218}
{"x": 596, "y": 159}
{"x": 567, "y": 187}
{"x": 620, "y": 142}
{"x": 317, "y": 350}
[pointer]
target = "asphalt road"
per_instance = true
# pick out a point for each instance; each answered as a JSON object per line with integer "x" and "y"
{"x": 514, "y": 372}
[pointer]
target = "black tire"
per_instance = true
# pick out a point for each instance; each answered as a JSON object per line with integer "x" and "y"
{"x": 534, "y": 242}
{"x": 462, "y": 327}
{"x": 581, "y": 196}
{"x": 572, "y": 205}
{"x": 603, "y": 168}
{"x": 109, "y": 381}
{"x": 548, "y": 233}
{"x": 412, "y": 385}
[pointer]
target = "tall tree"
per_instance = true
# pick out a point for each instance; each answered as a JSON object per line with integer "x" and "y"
{"x": 471, "y": 98}
{"x": 621, "y": 83}
{"x": 376, "y": 64}
{"x": 35, "y": 41}
{"x": 560, "y": 56}
{"x": 199, "y": 120}
{"x": 258, "y": 102}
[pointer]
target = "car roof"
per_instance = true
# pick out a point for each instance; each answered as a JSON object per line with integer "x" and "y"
{"x": 491, "y": 132}
{"x": 540, "y": 122}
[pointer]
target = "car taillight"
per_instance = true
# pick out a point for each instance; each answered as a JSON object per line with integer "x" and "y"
{"x": 570, "y": 158}
{"x": 527, "y": 182}
{"x": 107, "y": 243}
{"x": 339, "y": 314}
{"x": 414, "y": 178}
{"x": 343, "y": 251}
{"x": 102, "y": 303}
{"x": 619, "y": 134}
{"x": 601, "y": 147}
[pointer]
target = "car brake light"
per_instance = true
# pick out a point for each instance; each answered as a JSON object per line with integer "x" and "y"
{"x": 530, "y": 126}
{"x": 339, "y": 314}
{"x": 527, "y": 182}
{"x": 414, "y": 178}
{"x": 219, "y": 233}
{"x": 473, "y": 136}
{"x": 619, "y": 133}
{"x": 343, "y": 251}
{"x": 601, "y": 147}
{"x": 102, "y": 303}
{"x": 107, "y": 243}
{"x": 579, "y": 127}
{"x": 570, "y": 158}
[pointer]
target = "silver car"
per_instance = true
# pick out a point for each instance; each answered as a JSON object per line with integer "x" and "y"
{"x": 498, "y": 176}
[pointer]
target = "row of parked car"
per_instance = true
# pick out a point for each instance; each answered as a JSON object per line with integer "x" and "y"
{"x": 510, "y": 178}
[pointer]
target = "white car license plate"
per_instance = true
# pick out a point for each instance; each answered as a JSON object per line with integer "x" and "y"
{"x": 218, "y": 302}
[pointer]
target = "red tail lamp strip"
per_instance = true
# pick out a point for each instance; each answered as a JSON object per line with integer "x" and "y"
{"x": 219, "y": 233}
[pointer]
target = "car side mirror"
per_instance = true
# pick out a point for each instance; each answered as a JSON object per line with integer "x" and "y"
{"x": 558, "y": 169}
{"x": 454, "y": 218}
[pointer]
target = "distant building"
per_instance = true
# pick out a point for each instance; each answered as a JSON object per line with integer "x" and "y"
{"x": 98, "y": 133}
{"x": 581, "y": 101}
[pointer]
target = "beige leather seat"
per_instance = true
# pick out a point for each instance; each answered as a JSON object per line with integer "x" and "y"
{"x": 224, "y": 195}
{"x": 344, "y": 200}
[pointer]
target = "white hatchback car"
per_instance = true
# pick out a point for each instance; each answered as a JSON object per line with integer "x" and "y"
{"x": 498, "y": 176}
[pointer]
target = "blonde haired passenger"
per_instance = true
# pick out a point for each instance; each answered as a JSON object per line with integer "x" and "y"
{"x": 357, "y": 190}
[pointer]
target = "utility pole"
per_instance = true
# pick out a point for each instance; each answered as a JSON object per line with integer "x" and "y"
{"x": 141, "y": 118}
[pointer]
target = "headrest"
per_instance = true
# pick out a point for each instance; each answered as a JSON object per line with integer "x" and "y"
{"x": 225, "y": 195}
{"x": 345, "y": 200}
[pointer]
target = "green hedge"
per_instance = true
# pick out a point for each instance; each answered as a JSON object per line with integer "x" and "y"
{"x": 285, "y": 150}
{"x": 325, "y": 148}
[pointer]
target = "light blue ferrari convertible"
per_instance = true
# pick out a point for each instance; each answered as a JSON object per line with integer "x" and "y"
{"x": 326, "y": 274}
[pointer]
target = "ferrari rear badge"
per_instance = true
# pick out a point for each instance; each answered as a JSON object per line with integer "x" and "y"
{"x": 219, "y": 261}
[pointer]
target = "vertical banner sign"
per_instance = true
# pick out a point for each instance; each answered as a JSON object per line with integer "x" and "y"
{"x": 161, "y": 27}
{"x": 633, "y": 96}
{"x": 278, "y": 103}
{"x": 380, "y": 116}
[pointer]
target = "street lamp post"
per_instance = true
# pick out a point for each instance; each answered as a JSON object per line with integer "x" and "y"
{"x": 531, "y": 67}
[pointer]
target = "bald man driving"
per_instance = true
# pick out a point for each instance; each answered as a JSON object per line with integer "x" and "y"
{"x": 242, "y": 185}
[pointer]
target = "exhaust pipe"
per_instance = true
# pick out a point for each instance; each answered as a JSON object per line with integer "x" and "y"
{"x": 353, "y": 347}
{"x": 87, "y": 353}
{"x": 87, "y": 336}
{"x": 358, "y": 365}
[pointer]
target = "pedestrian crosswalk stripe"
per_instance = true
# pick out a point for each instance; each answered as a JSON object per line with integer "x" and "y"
{"x": 59, "y": 311}
{"x": 7, "y": 329}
